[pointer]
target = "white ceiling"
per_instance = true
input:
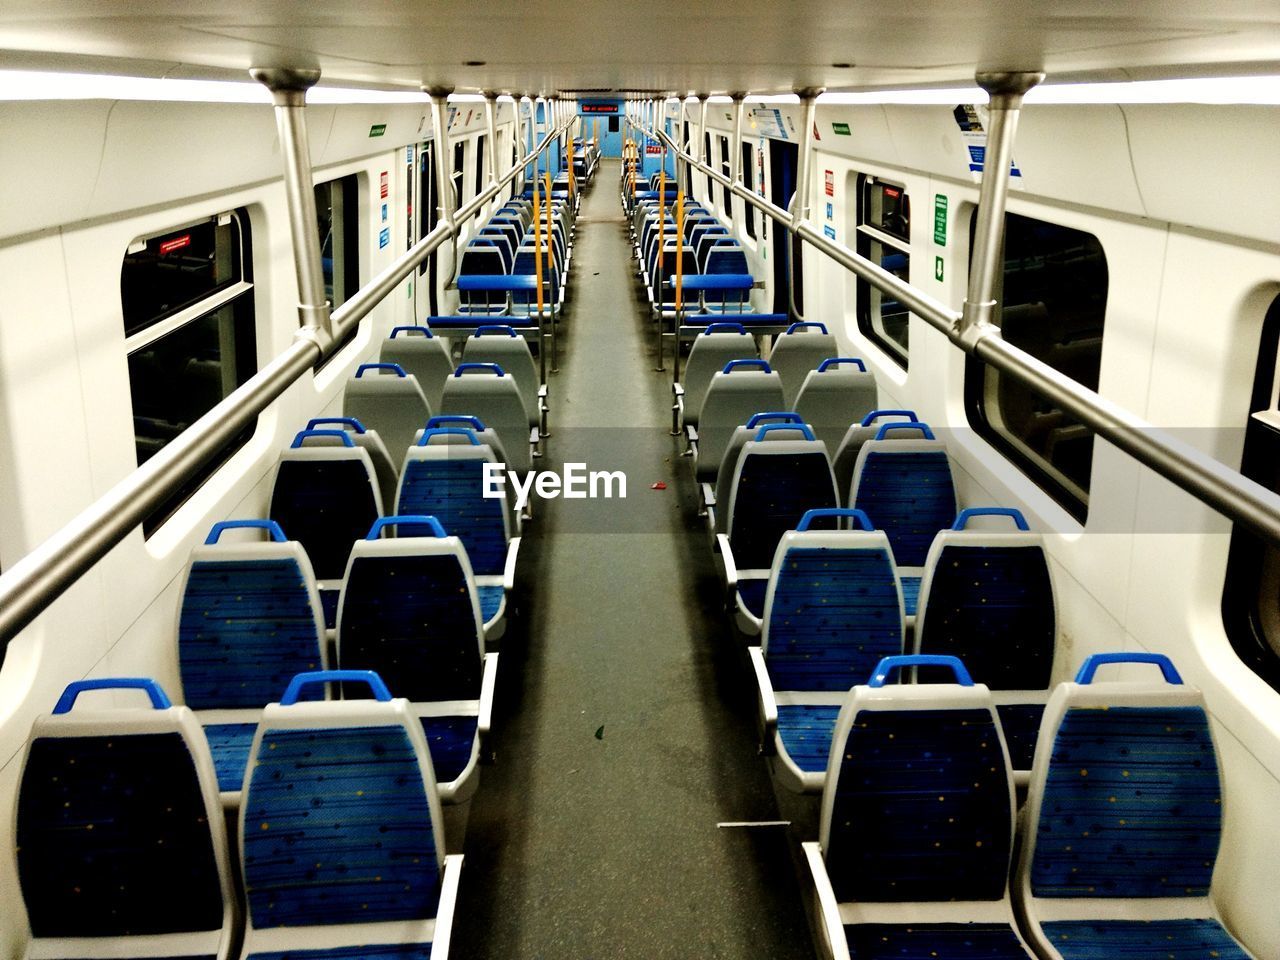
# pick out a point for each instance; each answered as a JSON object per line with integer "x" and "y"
{"x": 539, "y": 46}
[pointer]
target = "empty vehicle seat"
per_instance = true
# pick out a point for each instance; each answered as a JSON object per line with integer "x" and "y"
{"x": 710, "y": 351}
{"x": 393, "y": 404}
{"x": 384, "y": 468}
{"x": 905, "y": 486}
{"x": 502, "y": 346}
{"x": 410, "y": 613}
{"x": 832, "y": 611}
{"x": 839, "y": 393}
{"x": 341, "y": 840}
{"x": 780, "y": 475}
{"x": 421, "y": 354}
{"x": 802, "y": 348}
{"x": 717, "y": 500}
{"x": 987, "y": 598}
{"x": 740, "y": 389}
{"x": 249, "y": 620}
{"x": 845, "y": 457}
{"x": 487, "y": 391}
{"x": 1124, "y": 820}
{"x": 912, "y": 858}
{"x": 120, "y": 841}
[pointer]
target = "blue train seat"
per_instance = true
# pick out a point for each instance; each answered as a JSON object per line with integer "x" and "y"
{"x": 121, "y": 843}
{"x": 341, "y": 841}
{"x": 249, "y": 620}
{"x": 487, "y": 391}
{"x": 779, "y": 476}
{"x": 716, "y": 497}
{"x": 832, "y": 611}
{"x": 912, "y": 858}
{"x": 385, "y": 398}
{"x": 325, "y": 433}
{"x": 410, "y": 613}
{"x": 833, "y": 396}
{"x": 421, "y": 354}
{"x": 741, "y": 388}
{"x": 845, "y": 457}
{"x": 1124, "y": 819}
{"x": 905, "y": 486}
{"x": 710, "y": 351}
{"x": 987, "y": 598}
{"x": 443, "y": 477}
{"x": 503, "y": 346}
{"x": 802, "y": 348}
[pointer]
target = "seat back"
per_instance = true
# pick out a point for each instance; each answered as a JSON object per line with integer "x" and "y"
{"x": 711, "y": 350}
{"x": 918, "y": 804}
{"x": 119, "y": 834}
{"x": 733, "y": 449}
{"x": 802, "y": 348}
{"x": 987, "y": 598}
{"x": 384, "y": 468}
{"x": 838, "y": 393}
{"x": 326, "y": 497}
{"x": 447, "y": 481}
{"x": 249, "y": 619}
{"x": 487, "y": 391}
{"x": 833, "y": 607}
{"x": 393, "y": 404}
{"x": 421, "y": 354}
{"x": 740, "y": 389}
{"x": 780, "y": 475}
{"x": 501, "y": 345}
{"x": 858, "y": 433}
{"x": 1125, "y": 799}
{"x": 409, "y": 612}
{"x": 905, "y": 487}
{"x": 340, "y": 822}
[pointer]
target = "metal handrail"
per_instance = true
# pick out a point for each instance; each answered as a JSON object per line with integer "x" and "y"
{"x": 39, "y": 578}
{"x": 1230, "y": 493}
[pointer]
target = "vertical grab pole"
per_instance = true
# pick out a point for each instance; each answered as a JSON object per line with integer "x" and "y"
{"x": 491, "y": 121}
{"x": 289, "y": 96}
{"x": 735, "y": 151}
{"x": 555, "y": 280}
{"x": 537, "y": 276}
{"x": 443, "y": 165}
{"x": 804, "y": 181}
{"x": 1006, "y": 91}
{"x": 679, "y": 271}
{"x": 662, "y": 223}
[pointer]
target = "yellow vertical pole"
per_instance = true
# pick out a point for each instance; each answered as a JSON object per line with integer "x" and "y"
{"x": 573, "y": 181}
{"x": 537, "y": 242}
{"x": 679, "y": 255}
{"x": 551, "y": 256}
{"x": 662, "y": 220}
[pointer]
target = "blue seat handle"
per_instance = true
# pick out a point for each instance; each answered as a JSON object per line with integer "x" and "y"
{"x": 886, "y": 666}
{"x": 351, "y": 422}
{"x": 421, "y": 519}
{"x": 733, "y": 365}
{"x": 725, "y": 325}
{"x": 802, "y": 324}
{"x": 1096, "y": 660}
{"x": 425, "y": 331}
{"x": 836, "y": 361}
{"x": 393, "y": 367}
{"x": 440, "y": 420}
{"x": 305, "y": 434}
{"x": 858, "y": 516}
{"x": 448, "y": 431}
{"x": 494, "y": 328}
{"x": 491, "y": 367}
{"x": 875, "y": 415}
{"x": 970, "y": 512}
{"x": 272, "y": 528}
{"x": 888, "y": 428}
{"x": 778, "y": 416}
{"x": 68, "y": 699}
{"x": 802, "y": 427}
{"x": 294, "y": 690}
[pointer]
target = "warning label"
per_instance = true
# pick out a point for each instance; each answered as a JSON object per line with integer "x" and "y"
{"x": 830, "y": 181}
{"x": 974, "y": 137}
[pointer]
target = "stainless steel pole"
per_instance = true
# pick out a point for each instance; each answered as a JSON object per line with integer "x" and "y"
{"x": 491, "y": 123}
{"x": 443, "y": 157}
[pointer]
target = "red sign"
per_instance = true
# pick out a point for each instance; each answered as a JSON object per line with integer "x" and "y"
{"x": 831, "y": 183}
{"x": 384, "y": 185}
{"x": 599, "y": 108}
{"x": 177, "y": 243}
{"x": 654, "y": 149}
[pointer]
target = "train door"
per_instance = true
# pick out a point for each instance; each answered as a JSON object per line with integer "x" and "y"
{"x": 787, "y": 252}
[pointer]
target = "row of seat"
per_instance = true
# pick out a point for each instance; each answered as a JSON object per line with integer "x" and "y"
{"x": 1123, "y": 820}
{"x": 508, "y": 245}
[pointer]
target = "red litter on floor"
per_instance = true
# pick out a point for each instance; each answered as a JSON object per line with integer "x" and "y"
{"x": 658, "y": 486}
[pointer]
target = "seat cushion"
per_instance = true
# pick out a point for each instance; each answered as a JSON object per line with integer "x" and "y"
{"x": 910, "y": 594}
{"x": 490, "y": 600}
{"x": 1021, "y": 725}
{"x": 374, "y": 951}
{"x": 329, "y": 603}
{"x": 450, "y": 740}
{"x": 1143, "y": 940}
{"x": 751, "y": 593}
{"x": 805, "y": 730}
{"x": 230, "y": 743}
{"x": 934, "y": 941}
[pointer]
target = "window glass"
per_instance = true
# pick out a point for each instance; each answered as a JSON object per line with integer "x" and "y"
{"x": 724, "y": 169}
{"x": 480, "y": 170}
{"x": 166, "y": 274}
{"x": 749, "y": 181}
{"x": 338, "y": 221}
{"x": 884, "y": 237}
{"x": 459, "y": 161}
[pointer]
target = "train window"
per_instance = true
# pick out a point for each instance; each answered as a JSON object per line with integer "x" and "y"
{"x": 1052, "y": 297}
{"x": 724, "y": 168}
{"x": 338, "y": 218}
{"x": 884, "y": 237}
{"x": 706, "y": 152}
{"x": 1251, "y": 594}
{"x": 459, "y": 160}
{"x": 187, "y": 350}
{"x": 480, "y": 145}
{"x": 749, "y": 181}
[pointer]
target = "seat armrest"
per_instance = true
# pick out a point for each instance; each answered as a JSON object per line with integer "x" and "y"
{"x": 542, "y": 391}
{"x": 829, "y": 926}
{"x": 708, "y": 494}
{"x": 730, "y": 568}
{"x": 509, "y": 568}
{"x": 534, "y": 436}
{"x": 488, "y": 685}
{"x": 678, "y": 389}
{"x": 447, "y": 904}
{"x": 768, "y": 703}
{"x": 692, "y": 432}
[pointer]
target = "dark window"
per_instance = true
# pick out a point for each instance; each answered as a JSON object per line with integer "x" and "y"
{"x": 205, "y": 349}
{"x": 724, "y": 168}
{"x": 613, "y": 124}
{"x": 1251, "y": 596}
{"x": 884, "y": 237}
{"x": 1052, "y": 301}
{"x": 749, "y": 181}
{"x": 459, "y": 160}
{"x": 480, "y": 171}
{"x": 338, "y": 217}
{"x": 706, "y": 153}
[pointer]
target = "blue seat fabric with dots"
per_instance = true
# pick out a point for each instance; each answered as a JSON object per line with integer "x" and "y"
{"x": 451, "y": 491}
{"x": 805, "y": 730}
{"x": 933, "y": 941}
{"x": 325, "y": 506}
{"x": 910, "y": 496}
{"x": 772, "y": 493}
{"x": 1190, "y": 939}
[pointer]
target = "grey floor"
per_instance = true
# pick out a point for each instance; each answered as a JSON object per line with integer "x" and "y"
{"x": 624, "y": 718}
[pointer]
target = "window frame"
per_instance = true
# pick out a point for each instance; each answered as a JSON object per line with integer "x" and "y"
{"x": 353, "y": 225}
{"x": 865, "y": 234}
{"x": 749, "y": 181}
